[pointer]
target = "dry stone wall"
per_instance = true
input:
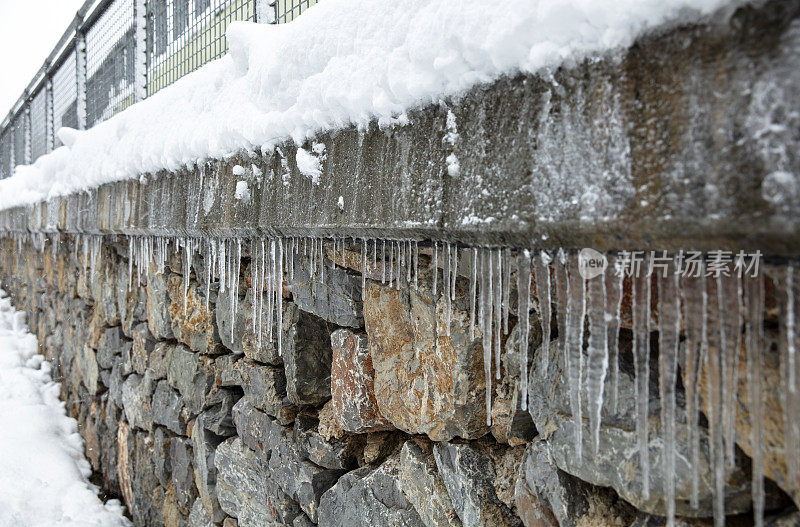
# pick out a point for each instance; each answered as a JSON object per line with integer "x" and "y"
{"x": 369, "y": 415}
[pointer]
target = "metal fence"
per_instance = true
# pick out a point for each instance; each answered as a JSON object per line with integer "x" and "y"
{"x": 118, "y": 52}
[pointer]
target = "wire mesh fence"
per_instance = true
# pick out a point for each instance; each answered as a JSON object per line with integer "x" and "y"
{"x": 117, "y": 52}
{"x": 65, "y": 95}
{"x": 109, "y": 62}
{"x": 288, "y": 10}
{"x": 38, "y": 125}
{"x": 183, "y": 35}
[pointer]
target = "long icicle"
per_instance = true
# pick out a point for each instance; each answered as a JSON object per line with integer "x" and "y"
{"x": 730, "y": 298}
{"x": 435, "y": 267}
{"x": 541, "y": 267}
{"x": 715, "y": 422}
{"x": 454, "y": 273}
{"x": 669, "y": 321}
{"x": 447, "y": 286}
{"x": 696, "y": 317}
{"x": 473, "y": 284}
{"x": 790, "y": 393}
{"x": 524, "y": 293}
{"x": 576, "y": 313}
{"x": 498, "y": 300}
{"x": 486, "y": 326}
{"x": 506, "y": 287}
{"x": 597, "y": 355}
{"x": 641, "y": 360}
{"x": 754, "y": 336}
{"x": 614, "y": 305}
{"x": 279, "y": 298}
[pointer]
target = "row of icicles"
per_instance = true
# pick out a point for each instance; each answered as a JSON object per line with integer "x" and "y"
{"x": 712, "y": 312}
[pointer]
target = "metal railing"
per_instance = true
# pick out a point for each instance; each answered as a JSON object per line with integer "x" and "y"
{"x": 118, "y": 52}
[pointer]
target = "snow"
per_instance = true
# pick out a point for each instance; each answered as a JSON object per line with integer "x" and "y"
{"x": 43, "y": 473}
{"x": 238, "y": 170}
{"x": 242, "y": 191}
{"x": 342, "y": 62}
{"x": 309, "y": 165}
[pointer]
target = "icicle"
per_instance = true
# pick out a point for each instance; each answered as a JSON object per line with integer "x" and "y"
{"x": 391, "y": 262}
{"x": 383, "y": 262}
{"x": 597, "y": 355}
{"x": 498, "y": 299}
{"x": 561, "y": 297}
{"x": 790, "y": 395}
{"x": 641, "y": 360}
{"x": 221, "y": 260}
{"x": 131, "y": 253}
{"x": 714, "y": 376}
{"x": 473, "y": 285}
{"x": 541, "y": 268}
{"x": 435, "y": 266}
{"x": 669, "y": 322}
{"x": 279, "y": 295}
{"x": 730, "y": 308}
{"x": 486, "y": 326}
{"x": 447, "y": 286}
{"x": 524, "y": 293}
{"x": 454, "y": 274}
{"x": 576, "y": 313}
{"x": 408, "y": 262}
{"x": 695, "y": 316}
{"x": 754, "y": 336}
{"x": 363, "y": 268}
{"x": 506, "y": 287}
{"x": 613, "y": 306}
{"x": 398, "y": 274}
{"x": 416, "y": 266}
{"x": 321, "y": 261}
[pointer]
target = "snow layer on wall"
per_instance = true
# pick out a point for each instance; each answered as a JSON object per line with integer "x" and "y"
{"x": 343, "y": 62}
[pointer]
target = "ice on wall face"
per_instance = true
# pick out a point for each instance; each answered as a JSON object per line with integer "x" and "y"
{"x": 292, "y": 82}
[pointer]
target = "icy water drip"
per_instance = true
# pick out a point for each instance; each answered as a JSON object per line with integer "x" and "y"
{"x": 712, "y": 313}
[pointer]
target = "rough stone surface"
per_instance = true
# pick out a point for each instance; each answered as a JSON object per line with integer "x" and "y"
{"x": 334, "y": 454}
{"x": 425, "y": 382}
{"x": 353, "y": 384}
{"x": 424, "y": 487}
{"x": 157, "y": 306}
{"x": 193, "y": 324}
{"x": 469, "y": 478}
{"x": 368, "y": 497}
{"x": 167, "y": 408}
{"x": 307, "y": 357}
{"x": 547, "y": 496}
{"x": 336, "y": 298}
{"x": 265, "y": 387}
{"x": 204, "y": 445}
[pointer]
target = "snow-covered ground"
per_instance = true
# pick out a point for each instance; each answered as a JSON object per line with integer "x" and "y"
{"x": 43, "y": 472}
{"x": 342, "y": 62}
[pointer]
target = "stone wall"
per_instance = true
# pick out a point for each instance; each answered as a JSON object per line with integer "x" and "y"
{"x": 371, "y": 414}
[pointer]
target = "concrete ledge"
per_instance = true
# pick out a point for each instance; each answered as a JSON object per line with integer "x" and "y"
{"x": 689, "y": 139}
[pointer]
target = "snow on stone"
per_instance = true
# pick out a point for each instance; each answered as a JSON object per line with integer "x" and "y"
{"x": 242, "y": 191}
{"x": 43, "y": 472}
{"x": 309, "y": 165}
{"x": 342, "y": 62}
{"x": 453, "y": 166}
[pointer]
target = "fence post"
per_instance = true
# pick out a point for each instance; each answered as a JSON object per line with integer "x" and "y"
{"x": 80, "y": 68}
{"x": 266, "y": 11}
{"x": 49, "y": 118}
{"x": 26, "y": 127}
{"x": 139, "y": 50}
